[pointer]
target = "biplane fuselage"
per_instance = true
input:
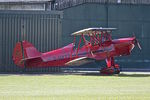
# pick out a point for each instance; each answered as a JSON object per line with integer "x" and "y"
{"x": 99, "y": 47}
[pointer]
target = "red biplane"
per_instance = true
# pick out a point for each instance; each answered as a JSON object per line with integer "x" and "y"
{"x": 95, "y": 44}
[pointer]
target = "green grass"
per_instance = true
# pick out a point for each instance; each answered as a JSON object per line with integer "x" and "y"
{"x": 74, "y": 87}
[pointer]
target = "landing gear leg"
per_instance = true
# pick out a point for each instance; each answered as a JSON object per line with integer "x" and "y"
{"x": 111, "y": 68}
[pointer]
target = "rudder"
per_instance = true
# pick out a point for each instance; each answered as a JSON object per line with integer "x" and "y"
{"x": 24, "y": 50}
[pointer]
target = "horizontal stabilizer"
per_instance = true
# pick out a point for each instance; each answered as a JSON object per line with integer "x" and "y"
{"x": 31, "y": 58}
{"x": 79, "y": 61}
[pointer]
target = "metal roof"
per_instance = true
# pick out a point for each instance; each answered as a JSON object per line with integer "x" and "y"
{"x": 62, "y": 4}
{"x": 24, "y": 1}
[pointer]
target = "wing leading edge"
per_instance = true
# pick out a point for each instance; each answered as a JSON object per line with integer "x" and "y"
{"x": 89, "y": 30}
{"x": 80, "y": 61}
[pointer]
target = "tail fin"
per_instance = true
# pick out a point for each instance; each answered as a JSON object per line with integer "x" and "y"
{"x": 24, "y": 50}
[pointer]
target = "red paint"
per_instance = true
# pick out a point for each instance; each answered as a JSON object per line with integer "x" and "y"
{"x": 26, "y": 55}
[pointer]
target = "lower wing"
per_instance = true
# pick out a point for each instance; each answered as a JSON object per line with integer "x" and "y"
{"x": 80, "y": 61}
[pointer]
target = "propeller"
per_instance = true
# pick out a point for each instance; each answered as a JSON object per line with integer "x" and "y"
{"x": 138, "y": 44}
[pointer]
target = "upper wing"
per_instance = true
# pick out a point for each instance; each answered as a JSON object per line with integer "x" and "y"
{"x": 79, "y": 61}
{"x": 90, "y": 30}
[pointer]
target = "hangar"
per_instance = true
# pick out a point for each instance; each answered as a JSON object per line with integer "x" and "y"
{"x": 49, "y": 23}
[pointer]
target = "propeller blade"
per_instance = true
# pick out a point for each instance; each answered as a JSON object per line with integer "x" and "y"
{"x": 139, "y": 45}
{"x": 137, "y": 42}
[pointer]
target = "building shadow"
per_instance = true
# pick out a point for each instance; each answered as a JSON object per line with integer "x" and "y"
{"x": 146, "y": 74}
{"x": 134, "y": 75}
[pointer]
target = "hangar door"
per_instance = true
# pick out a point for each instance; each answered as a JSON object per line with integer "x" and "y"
{"x": 41, "y": 28}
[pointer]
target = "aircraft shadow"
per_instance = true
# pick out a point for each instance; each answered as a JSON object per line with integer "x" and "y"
{"x": 117, "y": 75}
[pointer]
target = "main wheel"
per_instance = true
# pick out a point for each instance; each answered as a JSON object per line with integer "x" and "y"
{"x": 110, "y": 70}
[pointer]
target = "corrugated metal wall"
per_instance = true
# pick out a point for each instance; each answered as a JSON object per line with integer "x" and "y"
{"x": 43, "y": 29}
{"x": 129, "y": 19}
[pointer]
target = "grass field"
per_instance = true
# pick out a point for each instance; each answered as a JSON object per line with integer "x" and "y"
{"x": 75, "y": 87}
